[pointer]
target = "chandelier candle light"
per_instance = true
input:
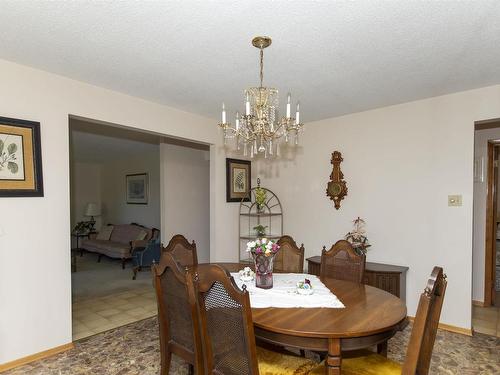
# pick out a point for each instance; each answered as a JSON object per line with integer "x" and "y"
{"x": 260, "y": 130}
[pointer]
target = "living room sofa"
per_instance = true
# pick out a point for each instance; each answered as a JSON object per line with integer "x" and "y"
{"x": 118, "y": 241}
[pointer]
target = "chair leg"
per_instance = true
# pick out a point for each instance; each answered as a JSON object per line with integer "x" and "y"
{"x": 191, "y": 369}
{"x": 99, "y": 258}
{"x": 382, "y": 348}
{"x": 123, "y": 263}
{"x": 165, "y": 363}
{"x": 136, "y": 269}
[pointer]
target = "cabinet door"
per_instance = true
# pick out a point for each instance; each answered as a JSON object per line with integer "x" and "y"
{"x": 388, "y": 282}
{"x": 313, "y": 268}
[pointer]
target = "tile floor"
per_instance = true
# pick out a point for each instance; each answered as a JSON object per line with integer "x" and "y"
{"x": 106, "y": 297}
{"x": 97, "y": 315}
{"x": 486, "y": 320}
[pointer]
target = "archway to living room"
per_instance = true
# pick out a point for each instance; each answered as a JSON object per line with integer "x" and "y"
{"x": 131, "y": 190}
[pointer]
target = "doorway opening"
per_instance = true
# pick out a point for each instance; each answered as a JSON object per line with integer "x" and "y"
{"x": 486, "y": 243}
{"x": 131, "y": 190}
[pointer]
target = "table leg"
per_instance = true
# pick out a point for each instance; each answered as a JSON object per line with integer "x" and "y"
{"x": 334, "y": 357}
{"x": 382, "y": 348}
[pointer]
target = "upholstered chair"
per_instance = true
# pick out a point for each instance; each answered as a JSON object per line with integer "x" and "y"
{"x": 175, "y": 314}
{"x": 342, "y": 262}
{"x": 290, "y": 257}
{"x": 146, "y": 256}
{"x": 182, "y": 251}
{"x": 423, "y": 335}
{"x": 226, "y": 330}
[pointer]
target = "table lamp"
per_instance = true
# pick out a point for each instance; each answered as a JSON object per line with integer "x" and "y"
{"x": 92, "y": 209}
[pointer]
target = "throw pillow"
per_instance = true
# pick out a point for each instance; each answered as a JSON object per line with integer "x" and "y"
{"x": 142, "y": 235}
{"x": 105, "y": 233}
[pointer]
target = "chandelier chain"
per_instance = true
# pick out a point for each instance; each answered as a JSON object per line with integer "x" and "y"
{"x": 261, "y": 66}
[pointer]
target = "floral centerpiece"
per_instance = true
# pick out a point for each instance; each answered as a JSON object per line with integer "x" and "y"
{"x": 263, "y": 252}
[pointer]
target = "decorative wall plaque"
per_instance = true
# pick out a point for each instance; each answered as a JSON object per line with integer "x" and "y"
{"x": 337, "y": 187}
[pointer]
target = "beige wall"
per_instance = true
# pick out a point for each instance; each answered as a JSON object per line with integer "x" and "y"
{"x": 115, "y": 208}
{"x": 186, "y": 196}
{"x": 35, "y": 313}
{"x": 85, "y": 188}
{"x": 480, "y": 190}
{"x": 400, "y": 164}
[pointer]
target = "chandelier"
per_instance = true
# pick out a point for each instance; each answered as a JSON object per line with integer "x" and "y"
{"x": 260, "y": 130}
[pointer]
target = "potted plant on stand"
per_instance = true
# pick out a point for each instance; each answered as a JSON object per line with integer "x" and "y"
{"x": 357, "y": 237}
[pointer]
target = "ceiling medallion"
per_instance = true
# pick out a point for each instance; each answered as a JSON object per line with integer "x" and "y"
{"x": 260, "y": 130}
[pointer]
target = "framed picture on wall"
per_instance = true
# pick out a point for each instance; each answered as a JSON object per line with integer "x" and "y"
{"x": 238, "y": 175}
{"x": 137, "y": 188}
{"x": 20, "y": 158}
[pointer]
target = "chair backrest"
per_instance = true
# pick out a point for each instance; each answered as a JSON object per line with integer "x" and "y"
{"x": 175, "y": 313}
{"x": 290, "y": 257}
{"x": 423, "y": 334}
{"x": 226, "y": 327}
{"x": 182, "y": 251}
{"x": 342, "y": 262}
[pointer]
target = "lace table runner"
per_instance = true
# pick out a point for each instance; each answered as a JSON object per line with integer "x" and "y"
{"x": 284, "y": 294}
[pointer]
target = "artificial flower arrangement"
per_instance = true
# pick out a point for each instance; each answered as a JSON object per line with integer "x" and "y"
{"x": 305, "y": 287}
{"x": 262, "y": 246}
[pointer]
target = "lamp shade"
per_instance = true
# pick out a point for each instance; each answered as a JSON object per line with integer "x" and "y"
{"x": 92, "y": 209}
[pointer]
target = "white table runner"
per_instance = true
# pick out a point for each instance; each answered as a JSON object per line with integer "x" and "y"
{"x": 283, "y": 294}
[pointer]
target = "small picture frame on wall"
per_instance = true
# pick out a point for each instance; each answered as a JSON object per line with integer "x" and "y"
{"x": 238, "y": 177}
{"x": 20, "y": 158}
{"x": 137, "y": 188}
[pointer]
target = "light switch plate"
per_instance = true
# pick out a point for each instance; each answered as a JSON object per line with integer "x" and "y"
{"x": 454, "y": 200}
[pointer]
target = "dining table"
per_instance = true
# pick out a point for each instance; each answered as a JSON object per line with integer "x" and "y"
{"x": 371, "y": 316}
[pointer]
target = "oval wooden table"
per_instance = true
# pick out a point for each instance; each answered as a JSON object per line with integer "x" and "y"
{"x": 371, "y": 317}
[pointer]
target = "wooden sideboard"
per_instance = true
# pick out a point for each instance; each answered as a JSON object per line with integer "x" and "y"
{"x": 387, "y": 277}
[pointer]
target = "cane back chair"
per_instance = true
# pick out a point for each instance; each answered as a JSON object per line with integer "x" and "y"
{"x": 290, "y": 257}
{"x": 226, "y": 330}
{"x": 342, "y": 262}
{"x": 183, "y": 252}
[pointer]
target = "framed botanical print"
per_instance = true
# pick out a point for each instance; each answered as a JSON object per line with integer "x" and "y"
{"x": 238, "y": 175}
{"x": 20, "y": 158}
{"x": 137, "y": 188}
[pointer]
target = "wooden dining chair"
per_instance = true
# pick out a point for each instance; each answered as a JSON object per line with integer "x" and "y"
{"x": 182, "y": 251}
{"x": 423, "y": 335}
{"x": 342, "y": 262}
{"x": 175, "y": 314}
{"x": 290, "y": 257}
{"x": 226, "y": 330}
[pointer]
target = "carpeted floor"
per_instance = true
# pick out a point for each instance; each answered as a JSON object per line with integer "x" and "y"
{"x": 93, "y": 280}
{"x": 134, "y": 350}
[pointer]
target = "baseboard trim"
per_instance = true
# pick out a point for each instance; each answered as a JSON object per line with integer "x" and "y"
{"x": 449, "y": 328}
{"x": 35, "y": 357}
{"x": 478, "y": 303}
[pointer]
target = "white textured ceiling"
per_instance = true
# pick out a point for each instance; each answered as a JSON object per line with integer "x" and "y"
{"x": 336, "y": 57}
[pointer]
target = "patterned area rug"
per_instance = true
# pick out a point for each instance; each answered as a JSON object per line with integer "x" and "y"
{"x": 134, "y": 349}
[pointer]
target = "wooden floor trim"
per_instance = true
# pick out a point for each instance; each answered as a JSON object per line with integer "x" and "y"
{"x": 450, "y": 328}
{"x": 478, "y": 303}
{"x": 35, "y": 357}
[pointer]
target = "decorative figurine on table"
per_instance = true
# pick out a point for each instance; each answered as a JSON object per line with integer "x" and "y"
{"x": 263, "y": 252}
{"x": 305, "y": 287}
{"x": 358, "y": 238}
{"x": 246, "y": 274}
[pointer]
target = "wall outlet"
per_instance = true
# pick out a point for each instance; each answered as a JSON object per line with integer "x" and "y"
{"x": 454, "y": 200}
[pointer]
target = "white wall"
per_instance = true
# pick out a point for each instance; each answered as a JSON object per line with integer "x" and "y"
{"x": 115, "y": 209}
{"x": 400, "y": 164}
{"x": 35, "y": 314}
{"x": 186, "y": 196}
{"x": 480, "y": 191}
{"x": 86, "y": 188}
